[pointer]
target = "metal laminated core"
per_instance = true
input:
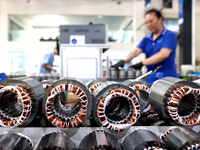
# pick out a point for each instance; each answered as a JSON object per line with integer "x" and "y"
{"x": 143, "y": 92}
{"x": 95, "y": 83}
{"x": 66, "y": 106}
{"x": 184, "y": 106}
{"x": 99, "y": 139}
{"x": 131, "y": 73}
{"x": 163, "y": 135}
{"x": 118, "y": 110}
{"x": 54, "y": 141}
{"x": 15, "y": 106}
{"x": 122, "y": 73}
{"x": 14, "y": 141}
{"x": 197, "y": 81}
{"x": 155, "y": 148}
{"x": 92, "y": 88}
{"x": 176, "y": 100}
{"x": 181, "y": 138}
{"x": 113, "y": 73}
{"x": 142, "y": 139}
{"x": 47, "y": 83}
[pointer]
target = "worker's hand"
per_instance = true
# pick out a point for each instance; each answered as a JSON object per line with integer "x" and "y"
{"x": 137, "y": 66}
{"x": 118, "y": 64}
{"x": 54, "y": 70}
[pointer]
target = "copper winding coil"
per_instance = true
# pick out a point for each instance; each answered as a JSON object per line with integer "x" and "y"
{"x": 197, "y": 82}
{"x": 188, "y": 119}
{"x": 143, "y": 88}
{"x": 130, "y": 119}
{"x": 176, "y": 100}
{"x": 163, "y": 135}
{"x": 95, "y": 83}
{"x": 116, "y": 106}
{"x": 50, "y": 111}
{"x": 92, "y": 89}
{"x": 23, "y": 101}
{"x": 19, "y": 101}
{"x": 47, "y": 83}
{"x": 64, "y": 112}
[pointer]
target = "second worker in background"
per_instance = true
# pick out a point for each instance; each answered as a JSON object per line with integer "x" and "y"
{"x": 47, "y": 61}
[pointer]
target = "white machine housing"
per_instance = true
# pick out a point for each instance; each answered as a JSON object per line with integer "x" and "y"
{"x": 82, "y": 61}
{"x": 81, "y": 48}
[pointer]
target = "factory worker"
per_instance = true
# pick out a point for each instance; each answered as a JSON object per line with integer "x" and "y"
{"x": 159, "y": 47}
{"x": 47, "y": 61}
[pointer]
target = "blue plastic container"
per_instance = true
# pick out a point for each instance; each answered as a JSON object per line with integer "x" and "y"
{"x": 2, "y": 76}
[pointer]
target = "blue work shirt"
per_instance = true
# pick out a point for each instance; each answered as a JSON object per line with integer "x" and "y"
{"x": 47, "y": 59}
{"x": 166, "y": 39}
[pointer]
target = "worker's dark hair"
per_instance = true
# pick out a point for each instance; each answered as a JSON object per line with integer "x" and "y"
{"x": 57, "y": 45}
{"x": 58, "y": 49}
{"x": 157, "y": 12}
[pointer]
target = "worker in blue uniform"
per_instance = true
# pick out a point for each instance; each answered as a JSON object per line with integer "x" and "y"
{"x": 159, "y": 47}
{"x": 47, "y": 62}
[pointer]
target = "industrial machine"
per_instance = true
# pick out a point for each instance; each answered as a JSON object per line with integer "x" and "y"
{"x": 83, "y": 34}
{"x": 81, "y": 47}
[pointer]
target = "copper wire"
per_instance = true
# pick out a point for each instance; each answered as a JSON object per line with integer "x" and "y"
{"x": 61, "y": 121}
{"x": 23, "y": 101}
{"x": 93, "y": 87}
{"x": 130, "y": 119}
{"x": 193, "y": 115}
{"x": 141, "y": 88}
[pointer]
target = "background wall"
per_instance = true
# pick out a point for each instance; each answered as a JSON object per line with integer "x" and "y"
{"x": 35, "y": 50}
{"x": 134, "y": 8}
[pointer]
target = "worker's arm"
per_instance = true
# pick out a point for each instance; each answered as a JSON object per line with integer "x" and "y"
{"x": 160, "y": 56}
{"x": 135, "y": 52}
{"x": 48, "y": 67}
